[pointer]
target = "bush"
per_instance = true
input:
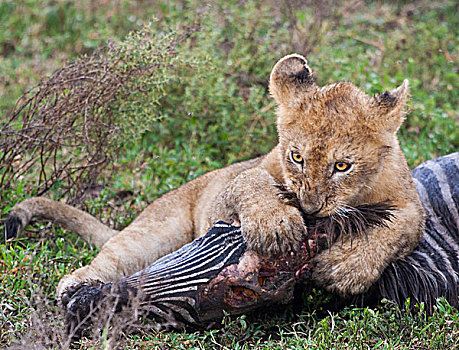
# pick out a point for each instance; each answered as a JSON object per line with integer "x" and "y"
{"x": 70, "y": 127}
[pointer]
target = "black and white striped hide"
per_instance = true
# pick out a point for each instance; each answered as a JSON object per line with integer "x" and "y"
{"x": 167, "y": 290}
{"x": 170, "y": 285}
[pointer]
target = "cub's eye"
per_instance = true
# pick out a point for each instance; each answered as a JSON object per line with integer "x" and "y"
{"x": 297, "y": 158}
{"x": 342, "y": 166}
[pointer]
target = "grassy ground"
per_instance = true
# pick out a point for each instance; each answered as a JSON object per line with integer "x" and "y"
{"x": 219, "y": 112}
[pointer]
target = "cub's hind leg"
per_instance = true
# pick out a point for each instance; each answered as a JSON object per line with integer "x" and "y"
{"x": 161, "y": 228}
{"x": 164, "y": 226}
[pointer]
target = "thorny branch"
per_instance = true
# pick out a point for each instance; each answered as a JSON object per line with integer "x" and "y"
{"x": 66, "y": 129}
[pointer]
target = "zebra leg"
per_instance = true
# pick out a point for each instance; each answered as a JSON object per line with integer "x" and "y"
{"x": 192, "y": 286}
{"x": 169, "y": 286}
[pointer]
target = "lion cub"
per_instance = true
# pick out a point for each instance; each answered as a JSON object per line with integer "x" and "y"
{"x": 337, "y": 149}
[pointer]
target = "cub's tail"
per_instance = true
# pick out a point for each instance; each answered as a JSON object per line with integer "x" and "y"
{"x": 78, "y": 221}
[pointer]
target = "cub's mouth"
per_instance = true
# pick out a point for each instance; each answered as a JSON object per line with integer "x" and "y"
{"x": 354, "y": 222}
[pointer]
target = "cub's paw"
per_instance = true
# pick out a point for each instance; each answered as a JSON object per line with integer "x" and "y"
{"x": 273, "y": 231}
{"x": 347, "y": 276}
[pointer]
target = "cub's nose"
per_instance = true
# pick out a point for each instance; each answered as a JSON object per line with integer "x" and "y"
{"x": 311, "y": 209}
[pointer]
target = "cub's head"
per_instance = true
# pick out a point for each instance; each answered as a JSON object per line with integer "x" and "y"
{"x": 334, "y": 140}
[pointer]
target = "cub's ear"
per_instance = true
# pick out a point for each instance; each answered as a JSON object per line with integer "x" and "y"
{"x": 388, "y": 108}
{"x": 291, "y": 79}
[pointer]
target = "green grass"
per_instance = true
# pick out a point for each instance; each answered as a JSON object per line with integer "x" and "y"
{"x": 219, "y": 112}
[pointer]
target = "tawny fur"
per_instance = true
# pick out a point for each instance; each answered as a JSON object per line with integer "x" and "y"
{"x": 335, "y": 123}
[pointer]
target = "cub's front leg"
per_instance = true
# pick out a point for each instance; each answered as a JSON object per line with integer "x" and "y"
{"x": 269, "y": 225}
{"x": 352, "y": 266}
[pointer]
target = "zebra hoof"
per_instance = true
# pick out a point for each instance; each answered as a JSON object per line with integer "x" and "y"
{"x": 80, "y": 303}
